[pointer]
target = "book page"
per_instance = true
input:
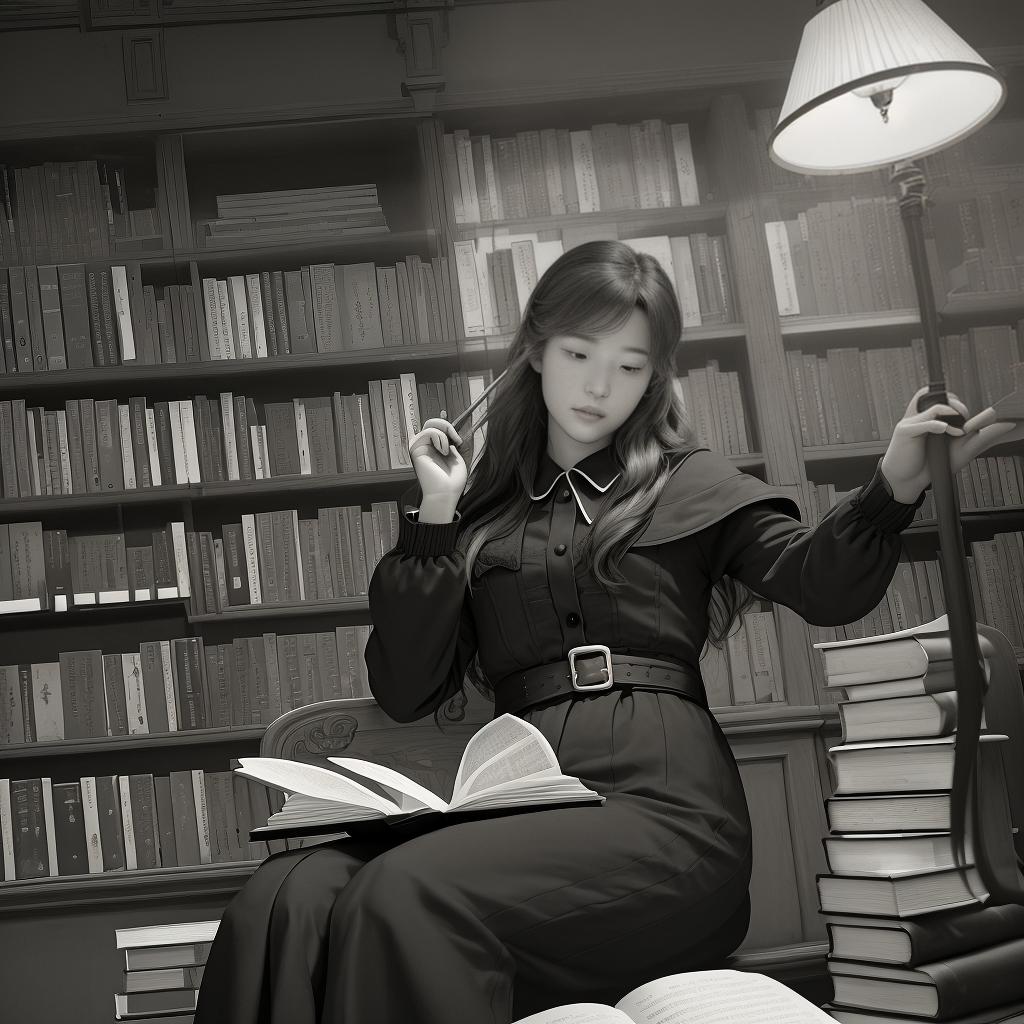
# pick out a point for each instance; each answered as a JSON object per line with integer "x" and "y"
{"x": 313, "y": 781}
{"x": 939, "y": 625}
{"x": 527, "y": 758}
{"x": 577, "y": 1013}
{"x": 719, "y": 997}
{"x": 409, "y": 795}
{"x": 504, "y": 732}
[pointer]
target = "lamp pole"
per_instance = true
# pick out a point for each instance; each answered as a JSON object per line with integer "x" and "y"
{"x": 874, "y": 50}
{"x": 997, "y": 867}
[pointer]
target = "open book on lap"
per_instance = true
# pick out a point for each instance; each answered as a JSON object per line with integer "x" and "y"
{"x": 507, "y": 766}
{"x": 699, "y": 997}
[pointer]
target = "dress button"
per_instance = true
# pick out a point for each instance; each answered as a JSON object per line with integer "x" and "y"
{"x": 559, "y": 549}
{"x": 564, "y": 496}
{"x": 572, "y": 619}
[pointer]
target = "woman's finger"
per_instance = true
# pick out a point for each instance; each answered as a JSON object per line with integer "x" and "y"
{"x": 994, "y": 433}
{"x": 912, "y": 404}
{"x": 932, "y": 426}
{"x": 982, "y": 419}
{"x": 932, "y": 412}
{"x": 958, "y": 405}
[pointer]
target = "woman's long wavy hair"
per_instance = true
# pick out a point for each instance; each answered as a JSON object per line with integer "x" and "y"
{"x": 590, "y": 290}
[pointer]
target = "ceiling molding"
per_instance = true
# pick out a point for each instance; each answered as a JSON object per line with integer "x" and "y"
{"x": 159, "y": 120}
{"x": 592, "y": 87}
{"x": 717, "y": 76}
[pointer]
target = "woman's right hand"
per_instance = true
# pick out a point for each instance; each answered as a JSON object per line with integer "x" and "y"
{"x": 440, "y": 469}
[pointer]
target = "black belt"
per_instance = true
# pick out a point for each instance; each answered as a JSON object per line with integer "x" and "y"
{"x": 593, "y": 669}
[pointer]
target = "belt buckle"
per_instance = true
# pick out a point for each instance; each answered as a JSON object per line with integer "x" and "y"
{"x": 591, "y": 649}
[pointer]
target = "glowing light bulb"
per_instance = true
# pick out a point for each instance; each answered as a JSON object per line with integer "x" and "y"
{"x": 880, "y": 94}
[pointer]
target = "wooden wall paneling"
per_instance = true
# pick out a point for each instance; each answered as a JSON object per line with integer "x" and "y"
{"x": 420, "y": 35}
{"x": 145, "y": 65}
{"x": 787, "y": 816}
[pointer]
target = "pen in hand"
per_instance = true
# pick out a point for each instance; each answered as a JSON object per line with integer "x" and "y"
{"x": 463, "y": 416}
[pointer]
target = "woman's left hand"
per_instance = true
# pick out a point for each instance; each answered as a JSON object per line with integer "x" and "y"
{"x": 905, "y": 463}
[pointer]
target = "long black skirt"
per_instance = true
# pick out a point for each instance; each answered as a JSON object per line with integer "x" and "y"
{"x": 489, "y": 920}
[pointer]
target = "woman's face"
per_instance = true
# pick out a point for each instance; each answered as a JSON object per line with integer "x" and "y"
{"x": 592, "y": 385}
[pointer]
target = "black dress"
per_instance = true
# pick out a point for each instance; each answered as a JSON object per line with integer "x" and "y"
{"x": 485, "y": 921}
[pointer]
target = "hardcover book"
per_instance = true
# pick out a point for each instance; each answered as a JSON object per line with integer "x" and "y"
{"x": 507, "y": 765}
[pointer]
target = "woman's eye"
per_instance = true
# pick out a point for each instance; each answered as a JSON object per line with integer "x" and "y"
{"x": 633, "y": 369}
{"x": 573, "y": 355}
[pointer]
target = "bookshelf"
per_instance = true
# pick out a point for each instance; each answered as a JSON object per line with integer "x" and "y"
{"x": 178, "y": 175}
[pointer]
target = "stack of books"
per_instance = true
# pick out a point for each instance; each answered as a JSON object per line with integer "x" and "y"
{"x": 910, "y": 938}
{"x": 293, "y": 215}
{"x": 163, "y": 968}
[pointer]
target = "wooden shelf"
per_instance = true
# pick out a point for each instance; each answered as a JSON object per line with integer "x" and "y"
{"x": 966, "y": 305}
{"x": 115, "y": 887}
{"x": 199, "y": 492}
{"x": 876, "y": 449}
{"x": 842, "y": 452}
{"x": 386, "y": 243}
{"x": 165, "y": 495}
{"x": 282, "y": 611}
{"x": 797, "y": 326}
{"x": 115, "y": 744}
{"x": 234, "y": 369}
{"x": 287, "y": 484}
{"x": 657, "y": 218}
{"x": 87, "y": 614}
{"x": 1009, "y": 515}
{"x": 713, "y": 332}
{"x": 127, "y": 374}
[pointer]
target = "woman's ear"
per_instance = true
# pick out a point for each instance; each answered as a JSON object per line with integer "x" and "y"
{"x": 536, "y": 361}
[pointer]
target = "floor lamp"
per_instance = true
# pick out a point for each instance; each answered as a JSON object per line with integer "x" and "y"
{"x": 879, "y": 83}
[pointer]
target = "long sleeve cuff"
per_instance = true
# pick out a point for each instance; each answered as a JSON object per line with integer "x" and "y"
{"x": 877, "y": 505}
{"x": 426, "y": 539}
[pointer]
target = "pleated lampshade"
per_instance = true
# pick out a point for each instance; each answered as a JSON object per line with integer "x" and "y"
{"x": 877, "y": 81}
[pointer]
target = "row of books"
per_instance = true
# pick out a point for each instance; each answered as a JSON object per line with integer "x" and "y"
{"x": 326, "y": 307}
{"x": 987, "y": 483}
{"x": 713, "y": 404}
{"x": 994, "y": 568}
{"x": 979, "y": 241}
{"x": 269, "y": 558}
{"x": 100, "y": 445}
{"x": 860, "y": 394}
{"x": 180, "y": 685}
{"x": 554, "y": 171}
{"x": 79, "y": 315}
{"x": 699, "y": 268}
{"x": 842, "y": 256}
{"x": 748, "y": 669}
{"x": 908, "y": 934}
{"x": 48, "y": 569}
{"x": 849, "y": 255}
{"x": 73, "y": 210}
{"x": 277, "y": 558}
{"x": 290, "y": 215}
{"x": 129, "y": 822}
{"x": 495, "y": 275}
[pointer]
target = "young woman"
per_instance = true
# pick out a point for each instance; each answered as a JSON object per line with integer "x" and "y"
{"x": 591, "y": 518}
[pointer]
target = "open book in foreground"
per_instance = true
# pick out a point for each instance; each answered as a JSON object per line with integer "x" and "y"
{"x": 507, "y": 764}
{"x": 700, "y": 997}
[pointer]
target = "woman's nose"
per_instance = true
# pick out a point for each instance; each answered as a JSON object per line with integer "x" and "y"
{"x": 597, "y": 385}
